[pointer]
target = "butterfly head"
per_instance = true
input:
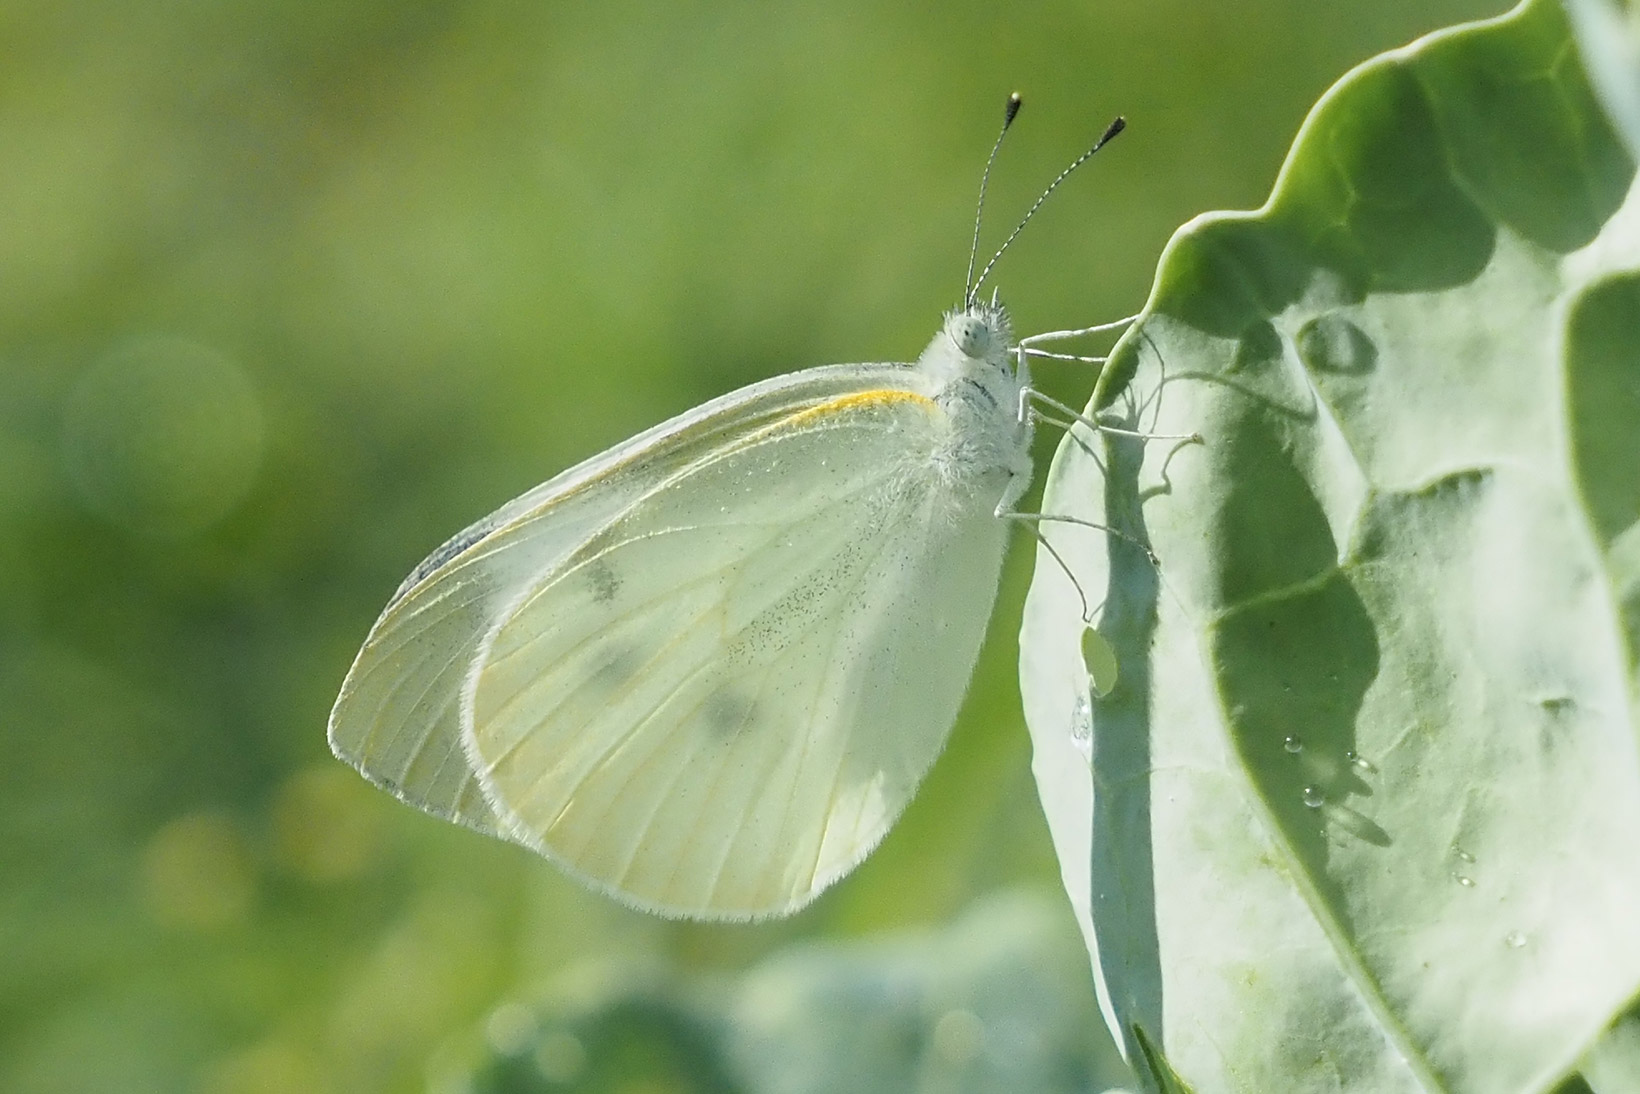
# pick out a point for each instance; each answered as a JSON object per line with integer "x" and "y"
{"x": 981, "y": 332}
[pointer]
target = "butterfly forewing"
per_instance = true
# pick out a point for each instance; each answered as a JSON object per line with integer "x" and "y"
{"x": 397, "y": 718}
{"x": 719, "y": 702}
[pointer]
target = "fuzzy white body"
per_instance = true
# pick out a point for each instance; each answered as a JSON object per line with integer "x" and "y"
{"x": 706, "y": 670}
{"x": 978, "y": 381}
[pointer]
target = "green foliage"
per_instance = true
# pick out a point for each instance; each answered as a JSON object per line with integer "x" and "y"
{"x": 1362, "y": 812}
{"x": 987, "y": 1004}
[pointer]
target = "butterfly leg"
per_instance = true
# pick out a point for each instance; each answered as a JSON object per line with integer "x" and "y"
{"x": 1036, "y": 533}
{"x": 1061, "y": 335}
{"x": 1030, "y": 520}
{"x": 1072, "y": 418}
{"x": 1028, "y": 346}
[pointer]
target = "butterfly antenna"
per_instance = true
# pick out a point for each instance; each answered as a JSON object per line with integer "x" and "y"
{"x": 1109, "y": 134}
{"x": 1011, "y": 112}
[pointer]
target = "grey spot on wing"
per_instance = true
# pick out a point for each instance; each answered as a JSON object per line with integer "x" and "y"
{"x": 727, "y": 713}
{"x": 619, "y": 667}
{"x": 605, "y": 583}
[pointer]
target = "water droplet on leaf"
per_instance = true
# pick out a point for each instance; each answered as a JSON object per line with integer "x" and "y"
{"x": 1082, "y": 727}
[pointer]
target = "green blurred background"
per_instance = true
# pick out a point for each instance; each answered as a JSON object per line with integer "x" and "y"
{"x": 291, "y": 291}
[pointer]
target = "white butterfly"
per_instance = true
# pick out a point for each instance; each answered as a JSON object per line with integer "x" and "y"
{"x": 706, "y": 670}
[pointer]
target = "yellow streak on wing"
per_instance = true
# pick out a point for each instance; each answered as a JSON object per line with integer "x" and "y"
{"x": 879, "y": 397}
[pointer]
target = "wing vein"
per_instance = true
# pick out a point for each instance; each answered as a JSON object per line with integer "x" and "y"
{"x": 837, "y": 776}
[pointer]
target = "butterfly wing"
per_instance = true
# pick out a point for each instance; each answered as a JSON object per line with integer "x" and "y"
{"x": 718, "y": 704}
{"x": 396, "y": 719}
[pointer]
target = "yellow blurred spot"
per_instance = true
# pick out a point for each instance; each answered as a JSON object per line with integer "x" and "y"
{"x": 325, "y": 824}
{"x": 197, "y": 873}
{"x": 959, "y": 1036}
{"x": 268, "y": 1068}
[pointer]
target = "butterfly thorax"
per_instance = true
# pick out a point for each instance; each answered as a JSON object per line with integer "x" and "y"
{"x": 977, "y": 379}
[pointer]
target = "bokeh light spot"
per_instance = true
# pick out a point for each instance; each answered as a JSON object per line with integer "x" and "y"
{"x": 561, "y": 1058}
{"x": 326, "y": 824}
{"x": 197, "y": 874}
{"x": 163, "y": 436}
{"x": 510, "y": 1029}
